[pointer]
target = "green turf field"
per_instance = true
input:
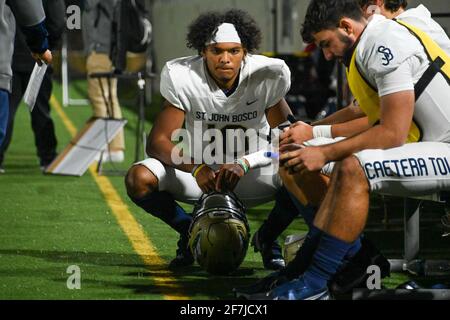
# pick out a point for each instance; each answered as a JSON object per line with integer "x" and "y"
{"x": 50, "y": 223}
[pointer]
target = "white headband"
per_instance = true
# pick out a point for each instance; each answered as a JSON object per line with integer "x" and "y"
{"x": 226, "y": 32}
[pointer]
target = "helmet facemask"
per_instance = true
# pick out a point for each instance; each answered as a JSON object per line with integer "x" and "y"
{"x": 219, "y": 233}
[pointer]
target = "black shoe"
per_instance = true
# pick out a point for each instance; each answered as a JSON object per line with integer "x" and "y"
{"x": 354, "y": 273}
{"x": 45, "y": 163}
{"x": 184, "y": 256}
{"x": 270, "y": 253}
{"x": 261, "y": 287}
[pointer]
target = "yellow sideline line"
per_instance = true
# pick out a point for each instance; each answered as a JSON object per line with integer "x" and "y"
{"x": 133, "y": 230}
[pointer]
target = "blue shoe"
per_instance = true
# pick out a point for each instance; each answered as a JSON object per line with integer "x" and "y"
{"x": 298, "y": 290}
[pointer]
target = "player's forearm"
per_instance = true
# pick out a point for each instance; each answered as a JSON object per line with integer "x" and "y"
{"x": 351, "y": 112}
{"x": 350, "y": 128}
{"x": 377, "y": 137}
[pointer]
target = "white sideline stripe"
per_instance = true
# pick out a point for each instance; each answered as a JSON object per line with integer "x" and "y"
{"x": 132, "y": 229}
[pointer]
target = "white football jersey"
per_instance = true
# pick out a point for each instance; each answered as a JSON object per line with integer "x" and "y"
{"x": 401, "y": 44}
{"x": 187, "y": 85}
{"x": 391, "y": 59}
{"x": 386, "y": 39}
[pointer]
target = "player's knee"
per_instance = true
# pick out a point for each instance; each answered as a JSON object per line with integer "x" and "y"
{"x": 140, "y": 182}
{"x": 350, "y": 168}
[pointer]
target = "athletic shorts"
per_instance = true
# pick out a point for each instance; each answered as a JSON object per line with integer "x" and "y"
{"x": 258, "y": 186}
{"x": 414, "y": 169}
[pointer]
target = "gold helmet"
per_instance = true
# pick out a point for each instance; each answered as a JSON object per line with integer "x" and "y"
{"x": 219, "y": 233}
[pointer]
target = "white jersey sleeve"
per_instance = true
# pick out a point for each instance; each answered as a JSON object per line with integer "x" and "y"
{"x": 282, "y": 84}
{"x": 167, "y": 88}
{"x": 401, "y": 79}
{"x": 392, "y": 59}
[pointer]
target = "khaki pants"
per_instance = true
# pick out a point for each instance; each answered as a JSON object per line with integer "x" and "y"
{"x": 103, "y": 104}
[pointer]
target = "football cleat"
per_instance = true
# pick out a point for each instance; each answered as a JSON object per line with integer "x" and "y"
{"x": 298, "y": 289}
{"x": 354, "y": 273}
{"x": 270, "y": 253}
{"x": 183, "y": 256}
{"x": 261, "y": 287}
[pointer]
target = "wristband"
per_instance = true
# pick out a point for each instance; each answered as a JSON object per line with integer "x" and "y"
{"x": 197, "y": 169}
{"x": 322, "y": 131}
{"x": 243, "y": 165}
{"x": 257, "y": 159}
{"x": 36, "y": 37}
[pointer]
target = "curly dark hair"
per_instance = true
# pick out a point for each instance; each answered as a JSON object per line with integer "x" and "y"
{"x": 391, "y": 5}
{"x": 205, "y": 26}
{"x": 326, "y": 14}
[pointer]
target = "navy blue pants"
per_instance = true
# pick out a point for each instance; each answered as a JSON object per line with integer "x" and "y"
{"x": 41, "y": 121}
{"x": 4, "y": 112}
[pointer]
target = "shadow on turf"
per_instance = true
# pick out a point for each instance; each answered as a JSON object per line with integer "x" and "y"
{"x": 95, "y": 258}
{"x": 192, "y": 280}
{"x": 196, "y": 282}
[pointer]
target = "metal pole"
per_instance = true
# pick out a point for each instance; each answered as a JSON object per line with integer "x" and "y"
{"x": 64, "y": 71}
{"x": 275, "y": 26}
{"x": 65, "y": 77}
{"x": 141, "y": 118}
{"x": 412, "y": 230}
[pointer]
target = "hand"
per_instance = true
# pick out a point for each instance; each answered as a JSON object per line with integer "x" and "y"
{"x": 206, "y": 178}
{"x": 228, "y": 176}
{"x": 304, "y": 158}
{"x": 286, "y": 148}
{"x": 298, "y": 132}
{"x": 45, "y": 57}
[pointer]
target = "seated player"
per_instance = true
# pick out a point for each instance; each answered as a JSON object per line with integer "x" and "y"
{"x": 399, "y": 76}
{"x": 347, "y": 122}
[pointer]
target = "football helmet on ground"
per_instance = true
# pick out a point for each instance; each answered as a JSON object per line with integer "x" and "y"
{"x": 219, "y": 233}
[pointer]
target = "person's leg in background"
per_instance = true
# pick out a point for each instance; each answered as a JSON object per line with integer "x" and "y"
{"x": 259, "y": 186}
{"x": 42, "y": 123}
{"x": 103, "y": 96}
{"x": 265, "y": 238}
{"x": 4, "y": 111}
{"x": 18, "y": 88}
